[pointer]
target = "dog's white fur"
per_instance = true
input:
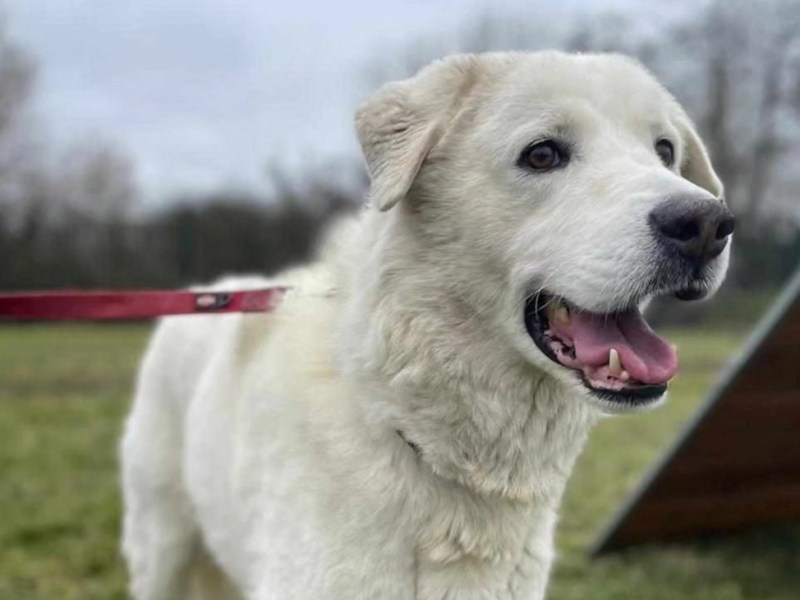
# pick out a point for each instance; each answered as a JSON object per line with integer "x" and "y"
{"x": 267, "y": 447}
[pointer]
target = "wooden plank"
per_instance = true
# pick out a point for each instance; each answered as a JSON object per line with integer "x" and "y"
{"x": 695, "y": 515}
{"x": 737, "y": 464}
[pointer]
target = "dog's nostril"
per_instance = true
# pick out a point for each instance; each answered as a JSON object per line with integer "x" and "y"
{"x": 681, "y": 229}
{"x": 725, "y": 228}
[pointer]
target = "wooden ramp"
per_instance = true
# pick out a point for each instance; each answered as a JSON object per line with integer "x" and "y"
{"x": 738, "y": 463}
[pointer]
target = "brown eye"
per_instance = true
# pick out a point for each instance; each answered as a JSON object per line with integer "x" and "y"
{"x": 543, "y": 156}
{"x": 666, "y": 152}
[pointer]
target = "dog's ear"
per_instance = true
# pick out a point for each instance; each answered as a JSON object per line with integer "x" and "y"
{"x": 696, "y": 164}
{"x": 401, "y": 123}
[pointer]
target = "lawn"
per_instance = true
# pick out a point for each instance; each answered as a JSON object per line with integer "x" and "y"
{"x": 64, "y": 391}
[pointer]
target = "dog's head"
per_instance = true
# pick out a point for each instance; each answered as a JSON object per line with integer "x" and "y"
{"x": 572, "y": 187}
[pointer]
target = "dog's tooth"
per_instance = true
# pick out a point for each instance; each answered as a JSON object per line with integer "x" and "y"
{"x": 624, "y": 376}
{"x": 562, "y": 314}
{"x": 614, "y": 365}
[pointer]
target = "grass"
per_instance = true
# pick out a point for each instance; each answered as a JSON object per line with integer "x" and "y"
{"x": 64, "y": 391}
{"x": 63, "y": 395}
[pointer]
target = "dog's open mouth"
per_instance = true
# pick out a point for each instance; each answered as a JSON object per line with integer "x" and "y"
{"x": 616, "y": 355}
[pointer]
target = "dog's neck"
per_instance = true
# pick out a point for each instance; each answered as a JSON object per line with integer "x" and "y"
{"x": 451, "y": 383}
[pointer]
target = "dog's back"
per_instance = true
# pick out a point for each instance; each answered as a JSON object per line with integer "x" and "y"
{"x": 178, "y": 453}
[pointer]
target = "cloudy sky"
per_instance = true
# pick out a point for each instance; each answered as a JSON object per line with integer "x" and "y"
{"x": 203, "y": 93}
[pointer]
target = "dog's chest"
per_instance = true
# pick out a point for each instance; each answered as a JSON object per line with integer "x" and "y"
{"x": 521, "y": 579}
{"x": 499, "y": 550}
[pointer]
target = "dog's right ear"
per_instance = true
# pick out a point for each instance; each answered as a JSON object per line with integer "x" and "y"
{"x": 401, "y": 123}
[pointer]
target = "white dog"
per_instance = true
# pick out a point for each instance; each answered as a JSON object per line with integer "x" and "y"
{"x": 403, "y": 426}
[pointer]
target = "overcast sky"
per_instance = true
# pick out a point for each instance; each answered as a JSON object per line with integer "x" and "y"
{"x": 202, "y": 93}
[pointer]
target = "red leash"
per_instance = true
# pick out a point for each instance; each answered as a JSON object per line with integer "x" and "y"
{"x": 108, "y": 305}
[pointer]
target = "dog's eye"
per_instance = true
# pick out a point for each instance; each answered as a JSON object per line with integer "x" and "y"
{"x": 543, "y": 156}
{"x": 666, "y": 152}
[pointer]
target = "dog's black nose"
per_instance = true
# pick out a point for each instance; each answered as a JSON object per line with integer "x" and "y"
{"x": 698, "y": 228}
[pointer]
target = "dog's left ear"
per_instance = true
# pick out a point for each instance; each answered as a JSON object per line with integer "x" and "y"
{"x": 401, "y": 123}
{"x": 696, "y": 164}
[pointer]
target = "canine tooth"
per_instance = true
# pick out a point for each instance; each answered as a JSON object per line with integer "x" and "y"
{"x": 562, "y": 314}
{"x": 614, "y": 366}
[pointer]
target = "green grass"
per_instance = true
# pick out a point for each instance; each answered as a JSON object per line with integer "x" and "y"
{"x": 63, "y": 395}
{"x": 64, "y": 391}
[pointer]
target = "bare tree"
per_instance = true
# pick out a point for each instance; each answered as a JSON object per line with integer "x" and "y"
{"x": 97, "y": 179}
{"x": 739, "y": 84}
{"x": 19, "y": 134}
{"x": 777, "y": 77}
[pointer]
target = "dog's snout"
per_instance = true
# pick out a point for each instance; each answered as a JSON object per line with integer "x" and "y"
{"x": 697, "y": 228}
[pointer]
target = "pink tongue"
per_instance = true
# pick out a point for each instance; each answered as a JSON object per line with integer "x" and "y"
{"x": 644, "y": 355}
